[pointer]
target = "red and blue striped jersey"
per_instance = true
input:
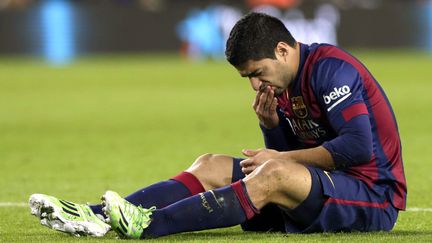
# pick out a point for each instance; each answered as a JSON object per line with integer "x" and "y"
{"x": 337, "y": 103}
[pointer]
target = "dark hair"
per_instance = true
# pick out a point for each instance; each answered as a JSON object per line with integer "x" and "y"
{"x": 254, "y": 37}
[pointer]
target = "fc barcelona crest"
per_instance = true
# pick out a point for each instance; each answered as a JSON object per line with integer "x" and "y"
{"x": 298, "y": 107}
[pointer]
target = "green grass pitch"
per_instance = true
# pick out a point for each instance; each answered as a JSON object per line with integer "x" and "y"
{"x": 123, "y": 122}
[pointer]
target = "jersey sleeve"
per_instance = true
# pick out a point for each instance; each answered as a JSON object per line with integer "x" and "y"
{"x": 340, "y": 92}
{"x": 279, "y": 138}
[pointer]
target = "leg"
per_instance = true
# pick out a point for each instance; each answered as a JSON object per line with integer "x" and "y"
{"x": 213, "y": 170}
{"x": 207, "y": 172}
{"x": 351, "y": 205}
{"x": 229, "y": 205}
{"x": 275, "y": 182}
{"x": 280, "y": 182}
{"x": 58, "y": 214}
{"x": 336, "y": 202}
{"x": 279, "y": 218}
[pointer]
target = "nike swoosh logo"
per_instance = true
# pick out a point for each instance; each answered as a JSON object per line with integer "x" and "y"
{"x": 328, "y": 175}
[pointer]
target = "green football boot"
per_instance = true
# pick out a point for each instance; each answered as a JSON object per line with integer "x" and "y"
{"x": 68, "y": 217}
{"x": 128, "y": 220}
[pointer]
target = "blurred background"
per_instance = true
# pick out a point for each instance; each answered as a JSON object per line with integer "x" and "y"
{"x": 61, "y": 30}
{"x": 118, "y": 94}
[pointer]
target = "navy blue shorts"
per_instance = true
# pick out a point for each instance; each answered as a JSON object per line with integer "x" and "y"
{"x": 337, "y": 202}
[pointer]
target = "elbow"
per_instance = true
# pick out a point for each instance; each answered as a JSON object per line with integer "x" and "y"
{"x": 362, "y": 151}
{"x": 362, "y": 155}
{"x": 346, "y": 154}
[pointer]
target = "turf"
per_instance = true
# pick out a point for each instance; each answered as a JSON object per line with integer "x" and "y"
{"x": 122, "y": 122}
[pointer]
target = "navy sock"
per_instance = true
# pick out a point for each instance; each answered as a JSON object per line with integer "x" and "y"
{"x": 222, "y": 207}
{"x": 97, "y": 209}
{"x": 163, "y": 193}
{"x": 160, "y": 194}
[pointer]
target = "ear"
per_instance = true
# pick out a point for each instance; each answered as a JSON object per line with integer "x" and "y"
{"x": 281, "y": 49}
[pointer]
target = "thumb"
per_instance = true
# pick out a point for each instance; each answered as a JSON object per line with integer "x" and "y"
{"x": 249, "y": 152}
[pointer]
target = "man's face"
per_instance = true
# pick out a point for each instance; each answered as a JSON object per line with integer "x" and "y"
{"x": 267, "y": 72}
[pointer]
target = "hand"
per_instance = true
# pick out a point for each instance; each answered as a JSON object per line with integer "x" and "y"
{"x": 265, "y": 107}
{"x": 257, "y": 158}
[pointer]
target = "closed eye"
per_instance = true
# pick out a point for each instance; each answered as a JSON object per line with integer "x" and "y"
{"x": 255, "y": 73}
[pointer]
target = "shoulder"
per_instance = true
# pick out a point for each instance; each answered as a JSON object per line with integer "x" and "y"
{"x": 326, "y": 62}
{"x": 328, "y": 59}
{"x": 334, "y": 77}
{"x": 323, "y": 51}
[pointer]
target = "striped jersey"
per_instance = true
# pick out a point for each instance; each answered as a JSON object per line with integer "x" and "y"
{"x": 337, "y": 103}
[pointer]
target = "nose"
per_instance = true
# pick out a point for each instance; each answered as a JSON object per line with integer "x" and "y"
{"x": 255, "y": 83}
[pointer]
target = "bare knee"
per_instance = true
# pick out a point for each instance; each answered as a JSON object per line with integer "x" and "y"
{"x": 267, "y": 178}
{"x": 272, "y": 173}
{"x": 273, "y": 169}
{"x": 279, "y": 181}
{"x": 212, "y": 170}
{"x": 203, "y": 161}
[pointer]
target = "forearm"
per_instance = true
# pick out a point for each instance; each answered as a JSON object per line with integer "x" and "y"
{"x": 275, "y": 139}
{"x": 318, "y": 157}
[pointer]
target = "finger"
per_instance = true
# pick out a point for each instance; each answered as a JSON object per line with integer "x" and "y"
{"x": 248, "y": 170}
{"x": 263, "y": 86}
{"x": 249, "y": 152}
{"x": 274, "y": 104}
{"x": 261, "y": 103}
{"x": 246, "y": 162}
{"x": 256, "y": 100}
{"x": 269, "y": 99}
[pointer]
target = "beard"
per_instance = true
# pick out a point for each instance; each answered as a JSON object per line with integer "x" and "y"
{"x": 278, "y": 91}
{"x": 287, "y": 80}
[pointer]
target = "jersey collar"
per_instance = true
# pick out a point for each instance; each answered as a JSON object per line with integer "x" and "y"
{"x": 304, "y": 52}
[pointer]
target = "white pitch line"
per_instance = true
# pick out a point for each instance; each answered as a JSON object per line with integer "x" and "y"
{"x": 13, "y": 204}
{"x": 419, "y": 209}
{"x": 22, "y": 204}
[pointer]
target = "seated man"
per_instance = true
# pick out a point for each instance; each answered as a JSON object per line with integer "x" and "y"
{"x": 333, "y": 159}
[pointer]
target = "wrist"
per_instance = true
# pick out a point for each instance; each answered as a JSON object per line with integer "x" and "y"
{"x": 284, "y": 156}
{"x": 269, "y": 126}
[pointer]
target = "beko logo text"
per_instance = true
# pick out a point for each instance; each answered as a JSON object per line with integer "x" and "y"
{"x": 336, "y": 93}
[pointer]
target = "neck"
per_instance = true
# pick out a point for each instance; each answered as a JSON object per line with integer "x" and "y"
{"x": 295, "y": 61}
{"x": 296, "y": 58}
